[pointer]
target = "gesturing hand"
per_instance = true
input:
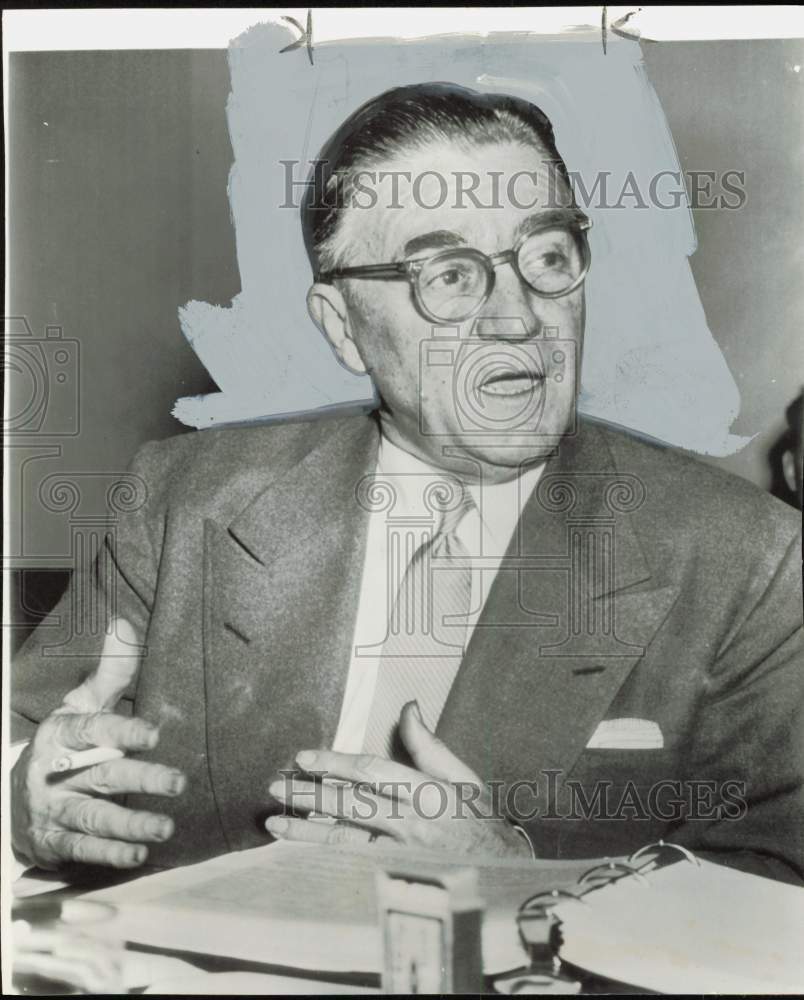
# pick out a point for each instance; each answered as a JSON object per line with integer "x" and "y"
{"x": 441, "y": 803}
{"x": 57, "y": 818}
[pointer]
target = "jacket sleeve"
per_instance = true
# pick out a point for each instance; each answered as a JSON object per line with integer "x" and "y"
{"x": 119, "y": 582}
{"x": 748, "y": 750}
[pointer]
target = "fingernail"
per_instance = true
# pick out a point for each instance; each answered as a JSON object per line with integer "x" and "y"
{"x": 416, "y": 710}
{"x": 277, "y": 824}
{"x": 277, "y": 789}
{"x": 137, "y": 855}
{"x": 159, "y": 829}
{"x": 147, "y": 735}
{"x": 176, "y": 783}
{"x": 306, "y": 758}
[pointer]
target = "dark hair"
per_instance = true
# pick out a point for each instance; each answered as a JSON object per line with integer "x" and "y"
{"x": 403, "y": 119}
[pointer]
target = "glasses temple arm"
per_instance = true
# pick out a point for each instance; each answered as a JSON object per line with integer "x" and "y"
{"x": 365, "y": 271}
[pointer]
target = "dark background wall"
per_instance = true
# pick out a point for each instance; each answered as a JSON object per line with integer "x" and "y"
{"x": 118, "y": 215}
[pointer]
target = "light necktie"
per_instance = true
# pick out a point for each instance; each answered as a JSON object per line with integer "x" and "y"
{"x": 424, "y": 643}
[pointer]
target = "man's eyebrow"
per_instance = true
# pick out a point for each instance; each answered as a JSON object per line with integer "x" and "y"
{"x": 440, "y": 239}
{"x": 539, "y": 220}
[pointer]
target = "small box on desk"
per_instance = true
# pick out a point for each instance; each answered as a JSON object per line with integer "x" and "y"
{"x": 431, "y": 932}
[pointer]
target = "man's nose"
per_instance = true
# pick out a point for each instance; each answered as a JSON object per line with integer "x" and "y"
{"x": 510, "y": 312}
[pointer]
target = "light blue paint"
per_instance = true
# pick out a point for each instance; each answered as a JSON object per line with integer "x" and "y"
{"x": 650, "y": 364}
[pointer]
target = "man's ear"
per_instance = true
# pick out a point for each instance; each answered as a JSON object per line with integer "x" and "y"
{"x": 789, "y": 470}
{"x": 329, "y": 312}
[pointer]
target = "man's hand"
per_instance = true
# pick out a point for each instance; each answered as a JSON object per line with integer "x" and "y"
{"x": 440, "y": 804}
{"x": 58, "y": 818}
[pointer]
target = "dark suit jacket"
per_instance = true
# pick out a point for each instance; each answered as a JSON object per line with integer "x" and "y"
{"x": 241, "y": 573}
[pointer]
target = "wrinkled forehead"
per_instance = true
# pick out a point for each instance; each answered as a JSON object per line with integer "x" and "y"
{"x": 478, "y": 195}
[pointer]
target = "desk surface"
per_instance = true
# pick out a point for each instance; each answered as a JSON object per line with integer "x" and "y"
{"x": 180, "y": 972}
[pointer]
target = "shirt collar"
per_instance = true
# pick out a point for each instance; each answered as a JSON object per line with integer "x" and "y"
{"x": 499, "y": 505}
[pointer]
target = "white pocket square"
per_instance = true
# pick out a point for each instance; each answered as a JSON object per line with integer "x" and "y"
{"x": 626, "y": 734}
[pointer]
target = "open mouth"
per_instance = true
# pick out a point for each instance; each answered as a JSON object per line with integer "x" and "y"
{"x": 511, "y": 383}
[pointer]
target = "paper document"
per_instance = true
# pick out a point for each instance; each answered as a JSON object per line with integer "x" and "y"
{"x": 691, "y": 929}
{"x": 310, "y": 907}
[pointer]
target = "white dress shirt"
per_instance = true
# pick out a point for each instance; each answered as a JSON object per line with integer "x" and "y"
{"x": 485, "y": 531}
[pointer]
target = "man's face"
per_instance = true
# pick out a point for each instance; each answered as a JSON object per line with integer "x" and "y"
{"x": 492, "y": 388}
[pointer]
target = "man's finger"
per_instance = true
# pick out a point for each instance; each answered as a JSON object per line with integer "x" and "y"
{"x": 357, "y": 805}
{"x": 429, "y": 753}
{"x": 387, "y": 776}
{"x": 117, "y": 668}
{"x": 309, "y": 832}
{"x": 102, "y": 729}
{"x": 59, "y": 846}
{"x": 118, "y": 777}
{"x": 100, "y": 818}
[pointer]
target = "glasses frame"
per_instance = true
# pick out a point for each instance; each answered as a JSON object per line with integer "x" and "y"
{"x": 410, "y": 270}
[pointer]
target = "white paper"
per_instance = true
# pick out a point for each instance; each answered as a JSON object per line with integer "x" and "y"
{"x": 691, "y": 929}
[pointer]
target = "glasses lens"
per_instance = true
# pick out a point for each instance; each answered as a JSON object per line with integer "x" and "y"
{"x": 453, "y": 285}
{"x": 551, "y": 261}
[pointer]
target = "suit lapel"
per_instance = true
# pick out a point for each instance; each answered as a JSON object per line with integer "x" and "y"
{"x": 570, "y": 614}
{"x": 280, "y": 599}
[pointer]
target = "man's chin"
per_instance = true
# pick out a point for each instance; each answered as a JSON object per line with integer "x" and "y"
{"x": 496, "y": 457}
{"x": 514, "y": 453}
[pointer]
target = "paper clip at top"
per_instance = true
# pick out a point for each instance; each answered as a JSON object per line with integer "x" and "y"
{"x": 661, "y": 845}
{"x": 610, "y": 871}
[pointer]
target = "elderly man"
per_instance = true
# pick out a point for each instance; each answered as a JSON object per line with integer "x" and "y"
{"x": 469, "y": 620}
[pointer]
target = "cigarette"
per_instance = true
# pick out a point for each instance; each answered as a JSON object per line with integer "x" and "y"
{"x": 84, "y": 758}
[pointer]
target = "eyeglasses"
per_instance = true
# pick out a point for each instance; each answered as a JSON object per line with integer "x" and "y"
{"x": 449, "y": 287}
